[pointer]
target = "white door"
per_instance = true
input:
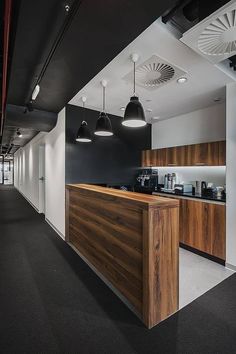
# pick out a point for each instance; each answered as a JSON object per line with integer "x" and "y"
{"x": 42, "y": 179}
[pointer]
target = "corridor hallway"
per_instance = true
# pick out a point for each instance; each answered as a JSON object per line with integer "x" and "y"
{"x": 51, "y": 302}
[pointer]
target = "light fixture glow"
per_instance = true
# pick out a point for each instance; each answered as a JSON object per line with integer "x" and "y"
{"x": 134, "y": 114}
{"x": 35, "y": 92}
{"x": 182, "y": 80}
{"x": 134, "y": 123}
{"x": 83, "y": 140}
{"x": 103, "y": 126}
{"x": 103, "y": 133}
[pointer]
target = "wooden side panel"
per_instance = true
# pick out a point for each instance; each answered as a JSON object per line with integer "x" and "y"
{"x": 67, "y": 216}
{"x": 109, "y": 234}
{"x": 161, "y": 265}
{"x": 202, "y": 226}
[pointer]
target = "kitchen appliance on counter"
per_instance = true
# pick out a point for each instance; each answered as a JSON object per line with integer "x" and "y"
{"x": 201, "y": 186}
{"x": 183, "y": 188}
{"x": 169, "y": 181}
{"x": 146, "y": 181}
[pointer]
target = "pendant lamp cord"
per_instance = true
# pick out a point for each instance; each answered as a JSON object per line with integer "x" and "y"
{"x": 134, "y": 80}
{"x": 104, "y": 101}
{"x": 84, "y": 110}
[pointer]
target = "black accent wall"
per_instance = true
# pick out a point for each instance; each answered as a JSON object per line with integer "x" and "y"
{"x": 107, "y": 160}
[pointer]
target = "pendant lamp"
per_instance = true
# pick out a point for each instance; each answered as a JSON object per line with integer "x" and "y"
{"x": 134, "y": 116}
{"x": 84, "y": 135}
{"x": 103, "y": 126}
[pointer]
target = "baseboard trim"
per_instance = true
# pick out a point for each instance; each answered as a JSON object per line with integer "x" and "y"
{"x": 202, "y": 254}
{"x": 230, "y": 266}
{"x": 55, "y": 229}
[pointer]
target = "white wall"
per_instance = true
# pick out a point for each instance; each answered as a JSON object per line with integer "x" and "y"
{"x": 26, "y": 169}
{"x": 200, "y": 126}
{"x": 55, "y": 175}
{"x": 26, "y": 173}
{"x": 231, "y": 174}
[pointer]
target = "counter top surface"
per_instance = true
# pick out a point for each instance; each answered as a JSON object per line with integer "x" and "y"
{"x": 145, "y": 199}
{"x": 196, "y": 196}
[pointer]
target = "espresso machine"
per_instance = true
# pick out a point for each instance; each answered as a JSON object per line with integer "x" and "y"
{"x": 146, "y": 181}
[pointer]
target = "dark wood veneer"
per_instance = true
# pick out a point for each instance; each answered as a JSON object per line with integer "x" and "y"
{"x": 204, "y": 154}
{"x": 132, "y": 240}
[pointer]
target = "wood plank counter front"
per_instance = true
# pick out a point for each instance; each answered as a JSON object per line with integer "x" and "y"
{"x": 132, "y": 240}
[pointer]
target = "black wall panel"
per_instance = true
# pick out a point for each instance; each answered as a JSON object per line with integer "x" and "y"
{"x": 108, "y": 160}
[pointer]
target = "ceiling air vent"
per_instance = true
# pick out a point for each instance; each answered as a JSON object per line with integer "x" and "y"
{"x": 154, "y": 73}
{"x": 215, "y": 37}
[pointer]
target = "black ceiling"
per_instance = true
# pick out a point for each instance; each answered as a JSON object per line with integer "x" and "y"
{"x": 99, "y": 31}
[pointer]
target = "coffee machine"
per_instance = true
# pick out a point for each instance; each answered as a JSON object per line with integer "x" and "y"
{"x": 146, "y": 180}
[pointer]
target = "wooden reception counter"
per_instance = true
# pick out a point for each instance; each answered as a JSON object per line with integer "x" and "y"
{"x": 132, "y": 240}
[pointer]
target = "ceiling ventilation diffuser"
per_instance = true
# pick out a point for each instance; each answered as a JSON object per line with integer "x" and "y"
{"x": 154, "y": 73}
{"x": 215, "y": 37}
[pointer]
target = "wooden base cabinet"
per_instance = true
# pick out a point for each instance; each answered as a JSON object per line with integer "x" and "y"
{"x": 202, "y": 226}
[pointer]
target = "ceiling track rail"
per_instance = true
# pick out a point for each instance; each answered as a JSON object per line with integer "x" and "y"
{"x": 66, "y": 24}
{"x": 6, "y": 38}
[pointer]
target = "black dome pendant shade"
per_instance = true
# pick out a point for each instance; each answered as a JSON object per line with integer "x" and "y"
{"x": 134, "y": 116}
{"x": 103, "y": 126}
{"x": 84, "y": 135}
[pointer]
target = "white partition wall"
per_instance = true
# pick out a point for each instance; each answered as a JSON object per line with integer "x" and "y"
{"x": 231, "y": 175}
{"x": 26, "y": 170}
{"x": 27, "y": 173}
{"x": 203, "y": 125}
{"x": 55, "y": 175}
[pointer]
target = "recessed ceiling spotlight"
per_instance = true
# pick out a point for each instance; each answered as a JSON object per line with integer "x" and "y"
{"x": 217, "y": 99}
{"x": 19, "y": 134}
{"x": 122, "y": 108}
{"x": 149, "y": 110}
{"x": 182, "y": 80}
{"x": 67, "y": 8}
{"x": 156, "y": 118}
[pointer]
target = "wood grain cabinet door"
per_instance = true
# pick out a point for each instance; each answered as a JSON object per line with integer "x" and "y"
{"x": 162, "y": 157}
{"x": 146, "y": 158}
{"x": 213, "y": 154}
{"x": 202, "y": 226}
{"x": 171, "y": 156}
{"x": 199, "y": 154}
{"x": 222, "y": 153}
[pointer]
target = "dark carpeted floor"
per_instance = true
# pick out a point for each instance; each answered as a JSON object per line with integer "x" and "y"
{"x": 51, "y": 302}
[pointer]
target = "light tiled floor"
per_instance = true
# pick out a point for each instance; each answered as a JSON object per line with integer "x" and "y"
{"x": 197, "y": 276}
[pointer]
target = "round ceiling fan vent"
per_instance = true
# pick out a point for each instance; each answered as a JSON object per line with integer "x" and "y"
{"x": 153, "y": 74}
{"x": 219, "y": 37}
